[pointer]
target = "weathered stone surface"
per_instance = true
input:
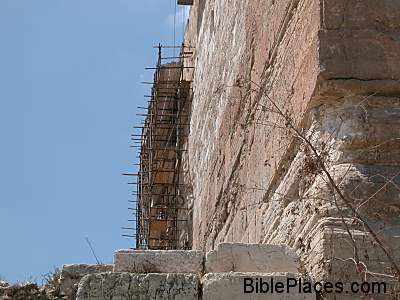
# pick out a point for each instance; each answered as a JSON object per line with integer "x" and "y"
{"x": 361, "y": 135}
{"x": 263, "y": 258}
{"x": 359, "y": 39}
{"x": 236, "y": 153}
{"x": 332, "y": 67}
{"x": 158, "y": 261}
{"x": 230, "y": 286}
{"x": 72, "y": 274}
{"x": 121, "y": 286}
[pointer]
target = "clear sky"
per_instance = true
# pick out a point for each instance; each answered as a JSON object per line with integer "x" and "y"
{"x": 70, "y": 73}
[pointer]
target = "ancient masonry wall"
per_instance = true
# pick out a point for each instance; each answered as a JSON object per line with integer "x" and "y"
{"x": 194, "y": 275}
{"x": 333, "y": 67}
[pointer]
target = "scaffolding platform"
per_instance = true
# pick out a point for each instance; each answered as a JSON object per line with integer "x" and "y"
{"x": 161, "y": 212}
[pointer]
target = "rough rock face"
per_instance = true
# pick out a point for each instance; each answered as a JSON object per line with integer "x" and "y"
{"x": 332, "y": 70}
{"x": 139, "y": 286}
{"x": 72, "y": 274}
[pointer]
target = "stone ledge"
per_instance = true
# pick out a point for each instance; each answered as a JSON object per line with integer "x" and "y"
{"x": 230, "y": 286}
{"x": 159, "y": 261}
{"x": 236, "y": 257}
{"x": 139, "y": 286}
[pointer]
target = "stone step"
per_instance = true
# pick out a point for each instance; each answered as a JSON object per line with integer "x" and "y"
{"x": 237, "y": 257}
{"x": 179, "y": 274}
{"x": 71, "y": 275}
{"x": 252, "y": 285}
{"x": 105, "y": 286}
{"x": 158, "y": 261}
{"x": 215, "y": 286}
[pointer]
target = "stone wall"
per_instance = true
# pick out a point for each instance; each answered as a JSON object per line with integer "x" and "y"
{"x": 194, "y": 275}
{"x": 332, "y": 67}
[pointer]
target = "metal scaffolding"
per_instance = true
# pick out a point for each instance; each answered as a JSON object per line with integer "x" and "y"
{"x": 161, "y": 209}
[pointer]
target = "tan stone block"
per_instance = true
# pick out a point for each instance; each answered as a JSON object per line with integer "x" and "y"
{"x": 359, "y": 54}
{"x": 72, "y": 274}
{"x": 121, "y": 286}
{"x": 230, "y": 286}
{"x": 237, "y": 257}
{"x": 158, "y": 261}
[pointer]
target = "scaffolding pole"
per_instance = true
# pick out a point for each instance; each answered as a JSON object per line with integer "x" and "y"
{"x": 161, "y": 208}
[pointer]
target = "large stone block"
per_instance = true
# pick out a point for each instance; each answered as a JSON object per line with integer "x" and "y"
{"x": 72, "y": 274}
{"x": 158, "y": 261}
{"x": 121, "y": 286}
{"x": 359, "y": 54}
{"x": 231, "y": 286}
{"x": 264, "y": 258}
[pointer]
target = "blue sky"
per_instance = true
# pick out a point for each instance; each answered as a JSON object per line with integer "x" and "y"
{"x": 70, "y": 73}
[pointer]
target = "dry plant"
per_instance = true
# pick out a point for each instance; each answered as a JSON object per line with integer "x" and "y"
{"x": 348, "y": 205}
{"x": 316, "y": 158}
{"x": 52, "y": 284}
